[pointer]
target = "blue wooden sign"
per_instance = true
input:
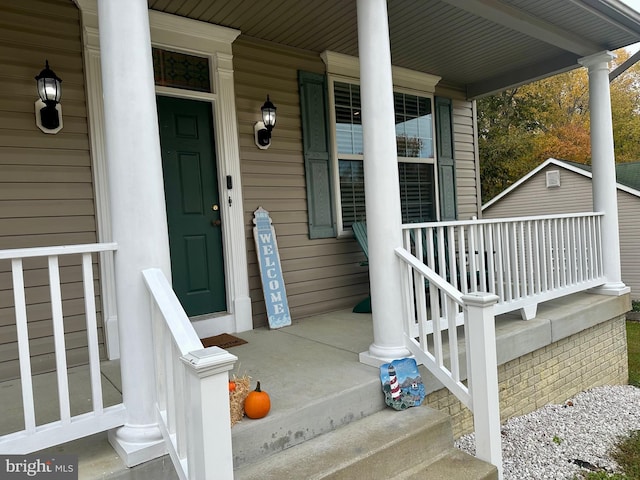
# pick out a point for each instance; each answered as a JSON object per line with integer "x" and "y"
{"x": 275, "y": 296}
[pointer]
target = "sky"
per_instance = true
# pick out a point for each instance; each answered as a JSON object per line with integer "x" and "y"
{"x": 635, "y": 4}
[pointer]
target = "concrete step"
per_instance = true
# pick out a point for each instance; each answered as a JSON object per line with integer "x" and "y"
{"x": 384, "y": 445}
{"x": 289, "y": 424}
{"x": 454, "y": 464}
{"x": 97, "y": 460}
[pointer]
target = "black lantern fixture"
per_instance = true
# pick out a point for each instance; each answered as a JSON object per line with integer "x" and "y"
{"x": 263, "y": 129}
{"x": 48, "y": 111}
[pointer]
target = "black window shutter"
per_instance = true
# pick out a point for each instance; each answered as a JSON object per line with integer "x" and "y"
{"x": 446, "y": 161}
{"x": 317, "y": 159}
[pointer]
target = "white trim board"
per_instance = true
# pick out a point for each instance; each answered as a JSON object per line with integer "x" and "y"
{"x": 204, "y": 39}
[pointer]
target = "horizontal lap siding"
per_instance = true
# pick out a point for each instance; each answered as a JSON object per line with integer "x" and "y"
{"x": 46, "y": 190}
{"x": 629, "y": 208}
{"x": 320, "y": 275}
{"x": 534, "y": 198}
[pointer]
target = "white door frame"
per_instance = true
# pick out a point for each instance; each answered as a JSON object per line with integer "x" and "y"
{"x": 196, "y": 38}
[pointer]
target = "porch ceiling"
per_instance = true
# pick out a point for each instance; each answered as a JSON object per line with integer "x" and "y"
{"x": 481, "y": 46}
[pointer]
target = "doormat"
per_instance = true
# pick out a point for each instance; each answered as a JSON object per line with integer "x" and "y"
{"x": 223, "y": 340}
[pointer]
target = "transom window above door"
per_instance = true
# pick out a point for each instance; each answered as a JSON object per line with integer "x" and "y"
{"x": 180, "y": 70}
{"x": 415, "y": 154}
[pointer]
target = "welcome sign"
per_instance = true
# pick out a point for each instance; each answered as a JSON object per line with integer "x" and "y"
{"x": 275, "y": 296}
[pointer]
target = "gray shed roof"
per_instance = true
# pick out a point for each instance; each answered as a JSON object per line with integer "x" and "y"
{"x": 627, "y": 173}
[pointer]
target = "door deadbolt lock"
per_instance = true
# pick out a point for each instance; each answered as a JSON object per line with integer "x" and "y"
{"x": 215, "y": 207}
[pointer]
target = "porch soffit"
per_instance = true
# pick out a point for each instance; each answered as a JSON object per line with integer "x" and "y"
{"x": 480, "y": 46}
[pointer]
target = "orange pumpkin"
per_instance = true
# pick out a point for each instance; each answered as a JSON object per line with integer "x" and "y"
{"x": 232, "y": 386}
{"x": 257, "y": 404}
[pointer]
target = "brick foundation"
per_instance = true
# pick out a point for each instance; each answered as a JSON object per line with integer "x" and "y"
{"x": 594, "y": 357}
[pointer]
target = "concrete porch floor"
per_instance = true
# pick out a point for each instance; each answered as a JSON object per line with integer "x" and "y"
{"x": 298, "y": 366}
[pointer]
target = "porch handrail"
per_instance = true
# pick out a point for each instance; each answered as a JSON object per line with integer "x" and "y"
{"x": 69, "y": 427}
{"x": 191, "y": 388}
{"x": 434, "y": 310}
{"x": 523, "y": 260}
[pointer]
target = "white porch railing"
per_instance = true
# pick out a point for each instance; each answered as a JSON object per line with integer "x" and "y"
{"x": 192, "y": 389}
{"x": 524, "y": 261}
{"x": 436, "y": 346}
{"x": 36, "y": 437}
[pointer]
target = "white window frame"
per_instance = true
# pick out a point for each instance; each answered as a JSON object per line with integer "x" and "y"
{"x": 346, "y": 69}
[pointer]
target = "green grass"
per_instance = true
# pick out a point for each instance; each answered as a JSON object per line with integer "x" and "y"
{"x": 633, "y": 346}
{"x": 627, "y": 454}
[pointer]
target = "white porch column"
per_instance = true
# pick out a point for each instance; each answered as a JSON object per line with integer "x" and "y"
{"x": 381, "y": 183}
{"x": 604, "y": 169}
{"x": 138, "y": 211}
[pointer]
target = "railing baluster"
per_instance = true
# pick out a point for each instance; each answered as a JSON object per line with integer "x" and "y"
{"x": 452, "y": 313}
{"x": 500, "y": 267}
{"x": 522, "y": 287}
{"x": 556, "y": 255}
{"x": 92, "y": 332}
{"x": 508, "y": 260}
{"x": 583, "y": 251}
{"x": 464, "y": 255}
{"x": 23, "y": 345}
{"x": 536, "y": 254}
{"x": 59, "y": 342}
{"x": 410, "y": 303}
{"x": 472, "y": 256}
{"x": 570, "y": 253}
{"x": 515, "y": 271}
{"x": 437, "y": 328}
{"x": 491, "y": 266}
{"x": 530, "y": 289}
{"x": 481, "y": 260}
{"x": 563, "y": 255}
{"x": 441, "y": 266}
{"x": 421, "y": 304}
{"x": 592, "y": 251}
{"x": 180, "y": 406}
{"x": 544, "y": 261}
{"x": 451, "y": 254}
{"x": 170, "y": 395}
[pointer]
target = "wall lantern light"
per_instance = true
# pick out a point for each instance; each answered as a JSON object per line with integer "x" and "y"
{"x": 48, "y": 108}
{"x": 262, "y": 130}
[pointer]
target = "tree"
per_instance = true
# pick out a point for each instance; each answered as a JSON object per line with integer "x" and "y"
{"x": 520, "y": 128}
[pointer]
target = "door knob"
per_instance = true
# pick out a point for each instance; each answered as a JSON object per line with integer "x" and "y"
{"x": 216, "y": 223}
{"x": 215, "y": 207}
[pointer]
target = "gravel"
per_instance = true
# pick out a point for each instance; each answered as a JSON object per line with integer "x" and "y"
{"x": 560, "y": 441}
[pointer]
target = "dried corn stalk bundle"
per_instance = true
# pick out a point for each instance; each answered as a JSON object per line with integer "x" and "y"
{"x": 237, "y": 397}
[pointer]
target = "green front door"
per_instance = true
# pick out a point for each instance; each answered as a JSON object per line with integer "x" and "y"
{"x": 193, "y": 208}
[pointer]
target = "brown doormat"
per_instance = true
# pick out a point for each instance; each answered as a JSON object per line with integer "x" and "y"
{"x": 223, "y": 340}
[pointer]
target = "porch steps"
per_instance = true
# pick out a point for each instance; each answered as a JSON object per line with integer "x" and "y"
{"x": 408, "y": 445}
